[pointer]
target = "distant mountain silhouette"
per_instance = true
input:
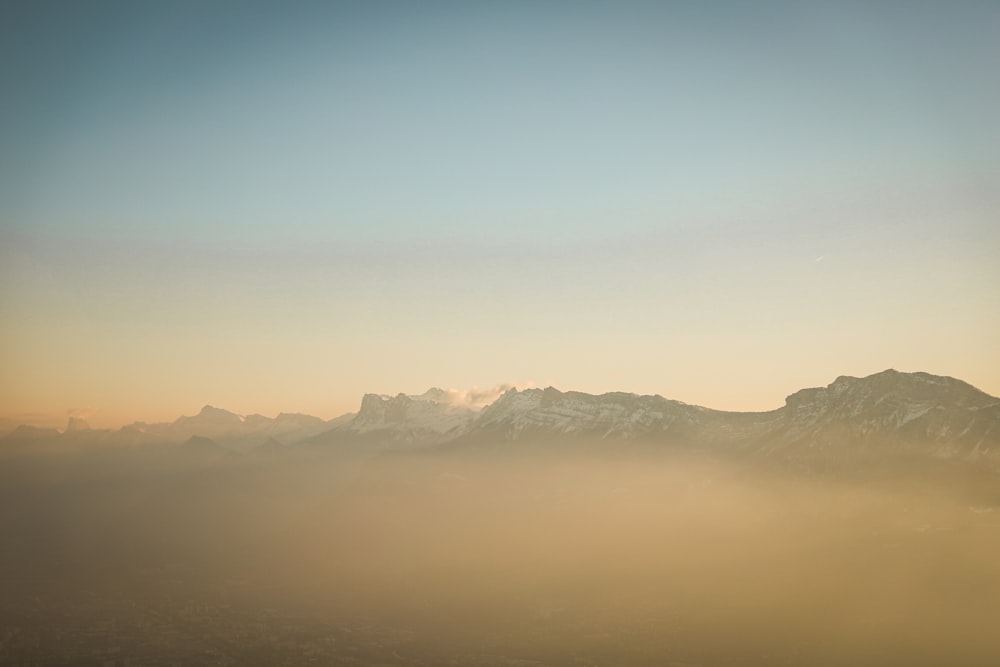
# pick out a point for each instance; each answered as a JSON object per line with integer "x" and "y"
{"x": 230, "y": 430}
{"x": 949, "y": 416}
{"x": 933, "y": 415}
{"x": 886, "y": 413}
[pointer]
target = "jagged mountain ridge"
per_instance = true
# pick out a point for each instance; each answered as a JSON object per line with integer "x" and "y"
{"x": 233, "y": 431}
{"x": 431, "y": 416}
{"x": 940, "y": 416}
{"x": 946, "y": 417}
{"x": 224, "y": 428}
{"x": 541, "y": 412}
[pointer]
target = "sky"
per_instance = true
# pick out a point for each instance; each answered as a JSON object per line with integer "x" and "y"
{"x": 278, "y": 207}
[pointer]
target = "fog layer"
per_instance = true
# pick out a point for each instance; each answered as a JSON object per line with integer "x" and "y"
{"x": 529, "y": 558}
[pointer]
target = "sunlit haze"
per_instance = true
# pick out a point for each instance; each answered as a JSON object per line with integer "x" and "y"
{"x": 500, "y": 334}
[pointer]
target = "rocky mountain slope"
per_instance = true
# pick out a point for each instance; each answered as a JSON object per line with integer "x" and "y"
{"x": 946, "y": 416}
{"x": 937, "y": 416}
{"x": 888, "y": 412}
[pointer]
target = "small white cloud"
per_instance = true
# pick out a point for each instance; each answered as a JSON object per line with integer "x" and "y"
{"x": 476, "y": 397}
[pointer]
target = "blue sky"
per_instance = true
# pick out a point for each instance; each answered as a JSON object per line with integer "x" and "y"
{"x": 665, "y": 193}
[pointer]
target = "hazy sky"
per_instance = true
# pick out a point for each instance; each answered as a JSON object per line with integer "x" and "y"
{"x": 280, "y": 206}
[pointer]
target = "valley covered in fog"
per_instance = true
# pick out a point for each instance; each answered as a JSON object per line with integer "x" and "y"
{"x": 569, "y": 550}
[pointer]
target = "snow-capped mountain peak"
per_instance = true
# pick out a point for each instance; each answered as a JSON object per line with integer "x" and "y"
{"x": 401, "y": 417}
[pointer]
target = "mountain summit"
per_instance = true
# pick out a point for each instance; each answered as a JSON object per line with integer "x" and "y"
{"x": 886, "y": 413}
{"x": 882, "y": 414}
{"x": 428, "y": 417}
{"x": 916, "y": 407}
{"x": 938, "y": 415}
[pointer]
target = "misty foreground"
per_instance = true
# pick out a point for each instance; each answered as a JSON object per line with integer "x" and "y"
{"x": 525, "y": 559}
{"x": 555, "y": 547}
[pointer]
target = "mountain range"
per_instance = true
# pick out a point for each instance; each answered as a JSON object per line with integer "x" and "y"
{"x": 889, "y": 412}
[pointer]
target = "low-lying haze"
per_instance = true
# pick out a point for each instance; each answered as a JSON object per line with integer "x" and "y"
{"x": 515, "y": 558}
{"x": 857, "y": 525}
